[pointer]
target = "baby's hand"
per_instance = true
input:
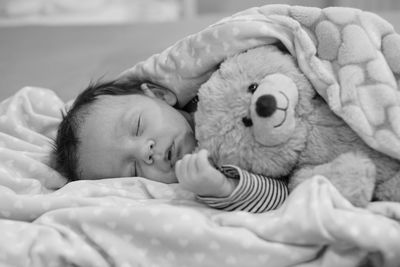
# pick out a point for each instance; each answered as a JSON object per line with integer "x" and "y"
{"x": 196, "y": 174}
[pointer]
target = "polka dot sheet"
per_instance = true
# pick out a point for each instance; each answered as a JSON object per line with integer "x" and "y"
{"x": 351, "y": 57}
{"x": 136, "y": 222}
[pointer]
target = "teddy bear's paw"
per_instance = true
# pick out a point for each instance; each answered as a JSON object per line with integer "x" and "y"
{"x": 389, "y": 190}
{"x": 359, "y": 197}
{"x": 354, "y": 175}
{"x": 354, "y": 165}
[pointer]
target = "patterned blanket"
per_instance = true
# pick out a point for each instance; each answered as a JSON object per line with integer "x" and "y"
{"x": 351, "y": 57}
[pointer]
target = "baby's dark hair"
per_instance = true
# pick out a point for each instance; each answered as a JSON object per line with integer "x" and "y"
{"x": 64, "y": 156}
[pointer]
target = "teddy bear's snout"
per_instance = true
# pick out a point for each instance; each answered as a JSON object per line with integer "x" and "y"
{"x": 266, "y": 105}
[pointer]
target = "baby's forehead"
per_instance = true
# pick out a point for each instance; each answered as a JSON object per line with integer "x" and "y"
{"x": 110, "y": 103}
{"x": 113, "y": 100}
{"x": 112, "y": 109}
{"x": 107, "y": 113}
{"x": 104, "y": 109}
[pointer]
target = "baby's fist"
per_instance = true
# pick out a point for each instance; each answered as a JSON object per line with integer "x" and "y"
{"x": 196, "y": 174}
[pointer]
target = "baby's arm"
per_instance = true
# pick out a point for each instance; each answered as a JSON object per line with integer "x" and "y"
{"x": 251, "y": 192}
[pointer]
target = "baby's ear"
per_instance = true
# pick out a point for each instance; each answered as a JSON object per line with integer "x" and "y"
{"x": 153, "y": 90}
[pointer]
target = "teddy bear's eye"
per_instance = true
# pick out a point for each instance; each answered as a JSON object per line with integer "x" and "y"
{"x": 252, "y": 87}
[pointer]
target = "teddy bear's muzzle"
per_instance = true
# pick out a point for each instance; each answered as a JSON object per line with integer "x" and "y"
{"x": 272, "y": 109}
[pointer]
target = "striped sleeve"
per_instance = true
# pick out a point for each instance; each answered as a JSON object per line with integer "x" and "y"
{"x": 254, "y": 193}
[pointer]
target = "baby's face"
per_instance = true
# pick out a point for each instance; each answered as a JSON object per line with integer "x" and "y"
{"x": 133, "y": 135}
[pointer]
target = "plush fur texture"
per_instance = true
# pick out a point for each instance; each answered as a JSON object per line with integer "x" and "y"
{"x": 296, "y": 138}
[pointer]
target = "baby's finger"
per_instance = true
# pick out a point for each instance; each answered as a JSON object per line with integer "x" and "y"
{"x": 187, "y": 161}
{"x": 203, "y": 162}
{"x": 193, "y": 163}
{"x": 179, "y": 170}
{"x": 184, "y": 166}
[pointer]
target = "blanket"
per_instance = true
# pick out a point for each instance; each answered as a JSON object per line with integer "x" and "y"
{"x": 351, "y": 57}
{"x": 136, "y": 222}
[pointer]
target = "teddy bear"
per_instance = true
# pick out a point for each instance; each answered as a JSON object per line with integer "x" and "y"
{"x": 259, "y": 112}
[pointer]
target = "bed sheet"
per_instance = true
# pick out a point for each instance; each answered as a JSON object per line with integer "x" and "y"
{"x": 136, "y": 222}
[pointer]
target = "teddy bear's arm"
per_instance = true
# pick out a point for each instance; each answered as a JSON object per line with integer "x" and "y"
{"x": 352, "y": 173}
{"x": 254, "y": 193}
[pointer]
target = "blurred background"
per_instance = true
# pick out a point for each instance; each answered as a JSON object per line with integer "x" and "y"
{"x": 121, "y": 11}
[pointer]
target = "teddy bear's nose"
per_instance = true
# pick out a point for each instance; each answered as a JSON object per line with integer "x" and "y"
{"x": 266, "y": 105}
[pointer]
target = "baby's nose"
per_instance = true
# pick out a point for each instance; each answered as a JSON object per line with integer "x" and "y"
{"x": 148, "y": 152}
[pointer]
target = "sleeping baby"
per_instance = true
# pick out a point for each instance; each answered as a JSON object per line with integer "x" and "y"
{"x": 115, "y": 129}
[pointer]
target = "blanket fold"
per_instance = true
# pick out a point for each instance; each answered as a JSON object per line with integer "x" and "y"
{"x": 351, "y": 57}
